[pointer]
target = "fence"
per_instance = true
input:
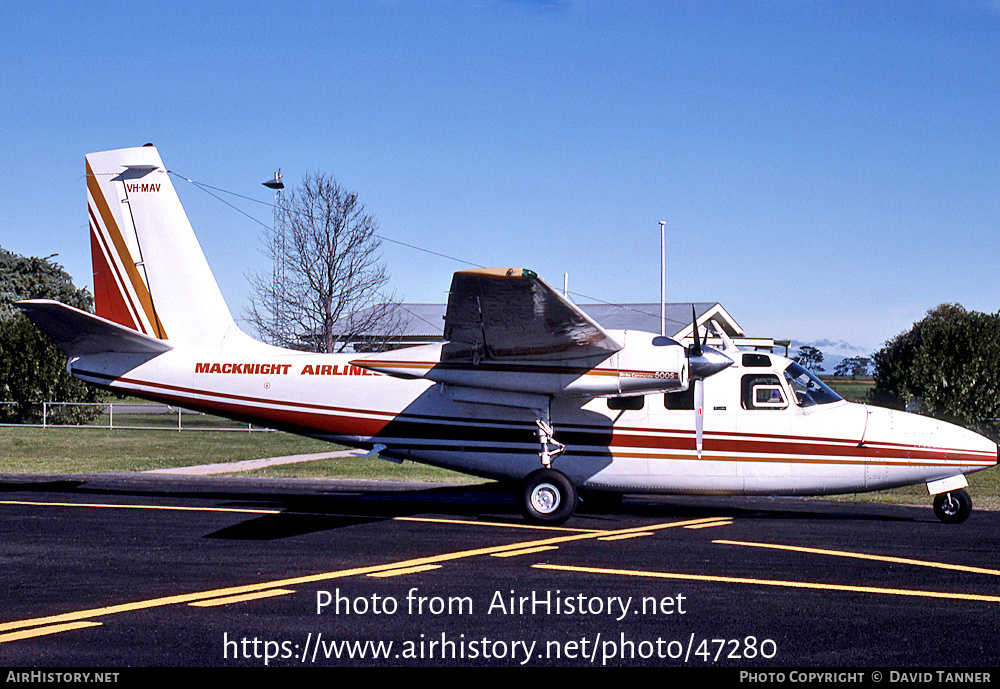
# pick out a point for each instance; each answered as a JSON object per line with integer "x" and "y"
{"x": 130, "y": 415}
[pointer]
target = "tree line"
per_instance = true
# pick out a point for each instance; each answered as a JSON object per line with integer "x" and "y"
{"x": 947, "y": 365}
{"x": 32, "y": 369}
{"x": 811, "y": 359}
{"x": 949, "y": 361}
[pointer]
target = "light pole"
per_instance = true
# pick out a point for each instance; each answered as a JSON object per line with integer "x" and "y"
{"x": 663, "y": 283}
{"x": 278, "y": 271}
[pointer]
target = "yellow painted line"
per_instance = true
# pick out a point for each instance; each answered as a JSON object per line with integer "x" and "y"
{"x": 723, "y": 522}
{"x": 774, "y": 582}
{"x": 632, "y": 535}
{"x": 240, "y": 599}
{"x": 44, "y": 631}
{"x": 405, "y": 570}
{"x": 472, "y": 522}
{"x": 129, "y": 607}
{"x": 526, "y": 551}
{"x": 139, "y": 507}
{"x": 325, "y": 576}
{"x": 866, "y": 556}
{"x": 468, "y": 522}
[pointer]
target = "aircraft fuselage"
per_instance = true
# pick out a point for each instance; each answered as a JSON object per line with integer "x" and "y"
{"x": 775, "y": 446}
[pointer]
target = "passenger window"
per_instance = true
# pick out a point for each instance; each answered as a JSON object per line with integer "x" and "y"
{"x": 633, "y": 403}
{"x": 763, "y": 392}
{"x": 756, "y": 361}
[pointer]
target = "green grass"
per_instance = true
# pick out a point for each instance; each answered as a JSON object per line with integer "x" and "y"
{"x": 100, "y": 450}
{"x": 96, "y": 450}
{"x": 851, "y": 389}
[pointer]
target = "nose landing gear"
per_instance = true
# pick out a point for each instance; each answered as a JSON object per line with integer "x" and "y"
{"x": 953, "y": 507}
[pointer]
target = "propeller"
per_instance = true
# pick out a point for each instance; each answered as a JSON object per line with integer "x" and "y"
{"x": 703, "y": 361}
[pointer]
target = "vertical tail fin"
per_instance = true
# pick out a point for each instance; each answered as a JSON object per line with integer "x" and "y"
{"x": 150, "y": 273}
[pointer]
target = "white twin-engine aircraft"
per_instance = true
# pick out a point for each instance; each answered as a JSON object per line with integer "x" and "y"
{"x": 526, "y": 387}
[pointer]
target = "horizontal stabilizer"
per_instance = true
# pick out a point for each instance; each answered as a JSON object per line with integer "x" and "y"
{"x": 507, "y": 313}
{"x": 77, "y": 332}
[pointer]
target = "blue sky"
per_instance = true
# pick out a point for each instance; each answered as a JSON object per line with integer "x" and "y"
{"x": 826, "y": 170}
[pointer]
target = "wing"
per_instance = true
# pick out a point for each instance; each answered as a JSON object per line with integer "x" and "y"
{"x": 498, "y": 314}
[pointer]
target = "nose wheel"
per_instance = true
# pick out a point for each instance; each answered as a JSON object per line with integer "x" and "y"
{"x": 953, "y": 507}
{"x": 548, "y": 497}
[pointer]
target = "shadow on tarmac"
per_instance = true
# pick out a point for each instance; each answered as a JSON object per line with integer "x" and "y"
{"x": 307, "y": 506}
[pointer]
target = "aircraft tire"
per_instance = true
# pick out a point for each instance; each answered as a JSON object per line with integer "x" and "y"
{"x": 548, "y": 497}
{"x": 953, "y": 507}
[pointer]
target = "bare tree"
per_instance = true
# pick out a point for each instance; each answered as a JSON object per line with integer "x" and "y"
{"x": 327, "y": 286}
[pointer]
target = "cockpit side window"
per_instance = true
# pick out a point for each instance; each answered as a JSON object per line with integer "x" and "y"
{"x": 762, "y": 391}
{"x": 809, "y": 390}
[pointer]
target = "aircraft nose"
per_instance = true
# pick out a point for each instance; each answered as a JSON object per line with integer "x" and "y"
{"x": 708, "y": 363}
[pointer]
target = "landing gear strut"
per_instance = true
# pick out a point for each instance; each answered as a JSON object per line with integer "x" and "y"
{"x": 550, "y": 447}
{"x": 953, "y": 507}
{"x": 547, "y": 495}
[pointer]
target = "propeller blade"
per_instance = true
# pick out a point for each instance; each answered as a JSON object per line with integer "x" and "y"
{"x": 703, "y": 361}
{"x": 699, "y": 414}
{"x": 694, "y": 349}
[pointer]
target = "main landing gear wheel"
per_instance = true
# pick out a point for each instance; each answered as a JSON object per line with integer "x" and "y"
{"x": 953, "y": 507}
{"x": 548, "y": 497}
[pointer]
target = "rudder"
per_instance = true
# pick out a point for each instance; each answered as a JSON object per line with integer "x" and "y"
{"x": 150, "y": 273}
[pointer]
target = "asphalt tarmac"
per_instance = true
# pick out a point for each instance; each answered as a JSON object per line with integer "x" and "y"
{"x": 141, "y": 570}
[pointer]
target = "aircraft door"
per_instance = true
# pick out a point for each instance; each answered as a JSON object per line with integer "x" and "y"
{"x": 764, "y": 420}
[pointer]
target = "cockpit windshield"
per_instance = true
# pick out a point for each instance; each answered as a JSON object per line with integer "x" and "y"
{"x": 809, "y": 390}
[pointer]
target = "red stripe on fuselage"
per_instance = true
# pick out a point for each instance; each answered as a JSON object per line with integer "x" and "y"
{"x": 742, "y": 444}
{"x": 626, "y": 442}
